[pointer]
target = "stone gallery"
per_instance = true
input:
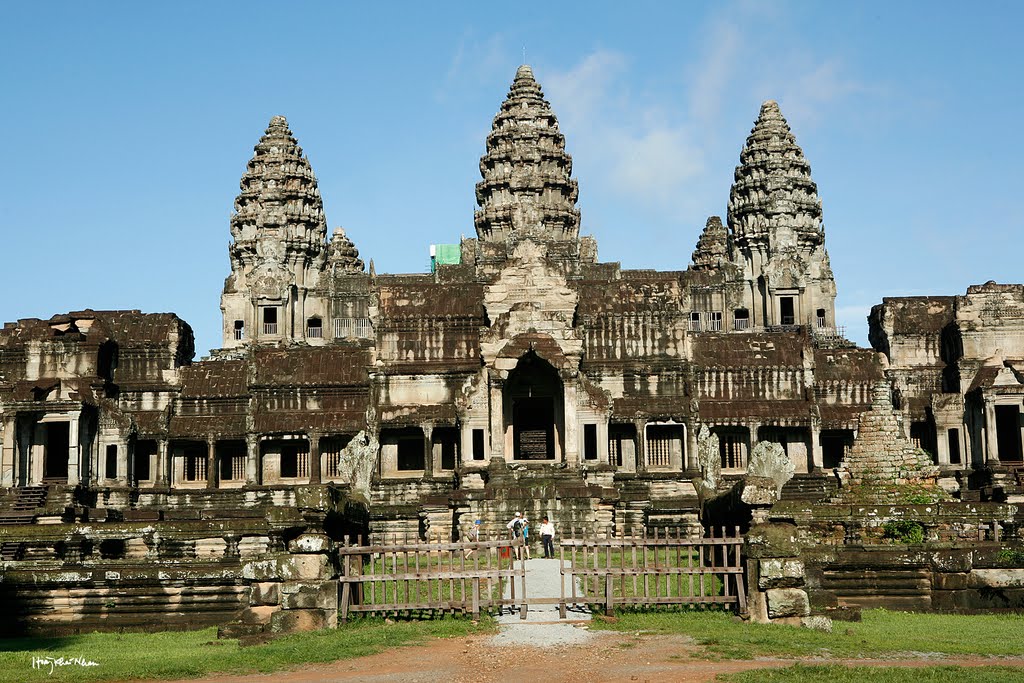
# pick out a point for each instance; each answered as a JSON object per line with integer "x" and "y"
{"x": 521, "y": 373}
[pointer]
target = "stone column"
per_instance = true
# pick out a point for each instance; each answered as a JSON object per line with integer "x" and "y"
{"x": 314, "y": 457}
{"x": 124, "y": 477}
{"x": 252, "y": 459}
{"x": 991, "y": 442}
{"x": 942, "y": 446}
{"x": 497, "y": 421}
{"x": 211, "y": 462}
{"x": 9, "y": 451}
{"x": 817, "y": 456}
{"x": 74, "y": 451}
{"x": 162, "y": 464}
{"x": 571, "y": 433}
{"x": 428, "y": 452}
{"x": 690, "y": 462}
{"x": 641, "y": 445}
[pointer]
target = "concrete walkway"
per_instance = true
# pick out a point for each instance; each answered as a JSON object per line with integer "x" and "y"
{"x": 542, "y": 627}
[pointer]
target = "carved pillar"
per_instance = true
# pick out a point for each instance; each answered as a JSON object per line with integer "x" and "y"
{"x": 570, "y": 419}
{"x": 942, "y": 446}
{"x": 252, "y": 459}
{"x": 991, "y": 442}
{"x": 74, "y": 451}
{"x": 817, "y": 456}
{"x": 9, "y": 451}
{"x": 641, "y": 445}
{"x": 497, "y": 421}
{"x": 162, "y": 464}
{"x": 428, "y": 451}
{"x": 690, "y": 456}
{"x": 211, "y": 462}
{"x": 314, "y": 457}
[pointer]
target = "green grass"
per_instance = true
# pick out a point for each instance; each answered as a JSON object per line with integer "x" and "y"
{"x": 881, "y": 633}
{"x": 196, "y": 653}
{"x": 890, "y": 674}
{"x": 675, "y": 585}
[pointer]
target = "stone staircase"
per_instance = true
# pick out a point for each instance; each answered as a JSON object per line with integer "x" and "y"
{"x": 20, "y": 506}
{"x": 810, "y": 488}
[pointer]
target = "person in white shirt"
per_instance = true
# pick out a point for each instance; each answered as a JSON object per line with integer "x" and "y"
{"x": 516, "y": 527}
{"x": 547, "y": 535}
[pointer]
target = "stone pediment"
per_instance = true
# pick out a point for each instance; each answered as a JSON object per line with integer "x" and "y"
{"x": 530, "y": 297}
{"x": 786, "y": 270}
{"x": 269, "y": 279}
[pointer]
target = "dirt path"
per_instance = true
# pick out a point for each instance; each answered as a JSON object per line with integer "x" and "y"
{"x": 607, "y": 656}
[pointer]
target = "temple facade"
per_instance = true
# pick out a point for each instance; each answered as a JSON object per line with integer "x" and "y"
{"x": 531, "y": 375}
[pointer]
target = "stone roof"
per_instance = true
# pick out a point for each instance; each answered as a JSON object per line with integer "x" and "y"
{"x": 526, "y": 187}
{"x": 772, "y": 188}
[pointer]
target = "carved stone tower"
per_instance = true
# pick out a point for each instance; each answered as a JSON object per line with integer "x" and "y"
{"x": 279, "y": 249}
{"x": 777, "y": 235}
{"x": 527, "y": 190}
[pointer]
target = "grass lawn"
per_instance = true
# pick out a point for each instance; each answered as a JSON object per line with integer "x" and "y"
{"x": 881, "y": 633}
{"x": 842, "y": 674}
{"x": 195, "y": 653}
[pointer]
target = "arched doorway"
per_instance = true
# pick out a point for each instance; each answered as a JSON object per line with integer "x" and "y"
{"x": 535, "y": 409}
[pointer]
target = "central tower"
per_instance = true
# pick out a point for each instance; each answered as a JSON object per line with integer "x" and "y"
{"x": 527, "y": 189}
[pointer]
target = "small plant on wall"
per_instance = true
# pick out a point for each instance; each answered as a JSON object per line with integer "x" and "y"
{"x": 904, "y": 531}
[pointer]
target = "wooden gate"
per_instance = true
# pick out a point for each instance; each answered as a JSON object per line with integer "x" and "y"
{"x": 662, "y": 569}
{"x": 400, "y": 578}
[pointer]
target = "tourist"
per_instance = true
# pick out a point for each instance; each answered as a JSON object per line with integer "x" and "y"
{"x": 547, "y": 536}
{"x": 526, "y": 536}
{"x": 515, "y": 528}
{"x": 472, "y": 536}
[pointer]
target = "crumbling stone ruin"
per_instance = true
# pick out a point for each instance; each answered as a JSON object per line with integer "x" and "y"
{"x": 528, "y": 375}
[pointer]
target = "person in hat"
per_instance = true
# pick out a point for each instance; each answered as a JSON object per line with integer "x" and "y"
{"x": 473, "y": 536}
{"x": 516, "y": 526}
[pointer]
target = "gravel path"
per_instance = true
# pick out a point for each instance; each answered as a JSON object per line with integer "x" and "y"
{"x": 542, "y": 627}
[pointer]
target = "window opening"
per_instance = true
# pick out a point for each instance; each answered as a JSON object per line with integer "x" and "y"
{"x": 478, "y": 444}
{"x": 786, "y": 311}
{"x": 111, "y": 461}
{"x": 741, "y": 319}
{"x": 590, "y": 442}
{"x": 239, "y": 329}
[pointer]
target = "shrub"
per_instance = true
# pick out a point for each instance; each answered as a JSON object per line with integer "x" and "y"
{"x": 904, "y": 531}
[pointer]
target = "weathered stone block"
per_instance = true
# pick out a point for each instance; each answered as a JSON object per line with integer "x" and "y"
{"x": 304, "y": 568}
{"x": 261, "y": 570}
{"x": 310, "y": 595}
{"x": 787, "y": 602}
{"x": 295, "y": 620}
{"x": 780, "y": 573}
{"x": 997, "y": 578}
{"x": 259, "y": 615}
{"x": 817, "y": 623}
{"x": 265, "y": 593}
{"x": 949, "y": 582}
{"x": 310, "y": 543}
{"x": 772, "y": 540}
{"x": 952, "y": 560}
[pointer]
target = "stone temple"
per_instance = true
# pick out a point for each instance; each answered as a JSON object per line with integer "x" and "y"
{"x": 524, "y": 375}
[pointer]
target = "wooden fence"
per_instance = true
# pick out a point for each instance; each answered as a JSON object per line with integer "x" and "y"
{"x": 662, "y": 569}
{"x": 403, "y": 577}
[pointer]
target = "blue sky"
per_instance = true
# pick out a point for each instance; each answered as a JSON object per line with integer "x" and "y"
{"x": 127, "y": 127}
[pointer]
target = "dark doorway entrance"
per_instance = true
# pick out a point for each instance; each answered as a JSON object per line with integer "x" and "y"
{"x": 58, "y": 442}
{"x": 534, "y": 394}
{"x": 1008, "y": 433}
{"x": 786, "y": 314}
{"x": 534, "y": 428}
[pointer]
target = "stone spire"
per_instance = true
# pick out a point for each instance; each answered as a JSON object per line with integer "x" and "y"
{"x": 526, "y": 187}
{"x": 343, "y": 253}
{"x": 279, "y": 249}
{"x": 712, "y": 246}
{"x": 773, "y": 199}
{"x": 279, "y": 199}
